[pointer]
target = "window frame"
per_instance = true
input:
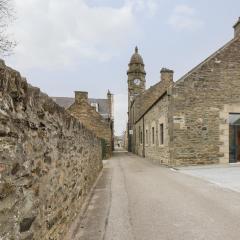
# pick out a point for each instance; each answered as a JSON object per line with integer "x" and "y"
{"x": 146, "y": 136}
{"x": 161, "y": 134}
{"x": 153, "y": 137}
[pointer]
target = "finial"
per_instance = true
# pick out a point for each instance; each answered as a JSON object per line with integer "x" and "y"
{"x": 136, "y": 49}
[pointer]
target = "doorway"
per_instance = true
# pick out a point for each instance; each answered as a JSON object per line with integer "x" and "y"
{"x": 234, "y": 137}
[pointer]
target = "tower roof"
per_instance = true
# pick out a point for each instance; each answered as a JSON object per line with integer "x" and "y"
{"x": 136, "y": 57}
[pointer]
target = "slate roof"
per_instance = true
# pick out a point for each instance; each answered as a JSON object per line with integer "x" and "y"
{"x": 103, "y": 107}
{"x": 145, "y": 100}
{"x": 65, "y": 102}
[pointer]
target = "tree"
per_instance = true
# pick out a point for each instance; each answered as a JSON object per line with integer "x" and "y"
{"x": 6, "y": 16}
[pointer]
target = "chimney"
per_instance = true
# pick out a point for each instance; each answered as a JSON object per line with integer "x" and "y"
{"x": 166, "y": 75}
{"x": 237, "y": 28}
{"x": 81, "y": 97}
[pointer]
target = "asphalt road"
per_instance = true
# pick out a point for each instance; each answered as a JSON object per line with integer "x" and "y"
{"x": 136, "y": 200}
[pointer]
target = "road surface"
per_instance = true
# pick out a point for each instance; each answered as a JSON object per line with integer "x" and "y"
{"x": 136, "y": 200}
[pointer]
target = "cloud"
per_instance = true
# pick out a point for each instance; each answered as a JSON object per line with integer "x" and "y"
{"x": 57, "y": 33}
{"x": 149, "y": 7}
{"x": 184, "y": 17}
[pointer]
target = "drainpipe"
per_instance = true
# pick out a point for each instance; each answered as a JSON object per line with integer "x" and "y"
{"x": 143, "y": 137}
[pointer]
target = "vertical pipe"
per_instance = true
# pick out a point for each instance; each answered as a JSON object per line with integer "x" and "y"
{"x": 143, "y": 137}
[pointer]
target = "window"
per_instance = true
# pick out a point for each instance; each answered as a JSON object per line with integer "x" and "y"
{"x": 95, "y": 105}
{"x": 161, "y": 136}
{"x": 146, "y": 137}
{"x": 153, "y": 135}
{"x": 141, "y": 138}
{"x": 234, "y": 137}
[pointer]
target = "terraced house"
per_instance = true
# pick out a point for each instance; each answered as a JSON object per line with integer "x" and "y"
{"x": 95, "y": 114}
{"x": 195, "y": 120}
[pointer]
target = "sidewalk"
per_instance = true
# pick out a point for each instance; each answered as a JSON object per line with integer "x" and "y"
{"x": 225, "y": 176}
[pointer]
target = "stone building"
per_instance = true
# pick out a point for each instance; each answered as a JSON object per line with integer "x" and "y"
{"x": 95, "y": 114}
{"x": 118, "y": 142}
{"x": 125, "y": 140}
{"x": 195, "y": 120}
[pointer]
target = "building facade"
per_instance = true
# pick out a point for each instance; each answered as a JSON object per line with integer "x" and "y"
{"x": 195, "y": 120}
{"x": 94, "y": 114}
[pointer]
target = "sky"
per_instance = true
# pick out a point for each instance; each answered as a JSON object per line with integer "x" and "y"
{"x": 86, "y": 45}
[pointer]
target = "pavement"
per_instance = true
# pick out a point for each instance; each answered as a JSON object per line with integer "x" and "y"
{"x": 136, "y": 200}
{"x": 225, "y": 176}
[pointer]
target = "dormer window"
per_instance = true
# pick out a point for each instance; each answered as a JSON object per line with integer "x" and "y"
{"x": 96, "y": 106}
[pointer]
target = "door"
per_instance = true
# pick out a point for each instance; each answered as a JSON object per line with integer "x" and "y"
{"x": 238, "y": 143}
{"x": 234, "y": 137}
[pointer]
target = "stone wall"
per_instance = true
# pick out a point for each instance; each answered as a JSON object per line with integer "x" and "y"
{"x": 88, "y": 115}
{"x": 156, "y": 152}
{"x": 158, "y": 115}
{"x": 200, "y": 105}
{"x": 48, "y": 162}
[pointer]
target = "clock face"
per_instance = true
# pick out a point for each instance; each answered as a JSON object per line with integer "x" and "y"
{"x": 137, "y": 81}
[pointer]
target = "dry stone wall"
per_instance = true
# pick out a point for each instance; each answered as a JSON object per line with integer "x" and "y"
{"x": 48, "y": 162}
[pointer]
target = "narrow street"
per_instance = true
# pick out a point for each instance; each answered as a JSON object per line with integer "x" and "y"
{"x": 135, "y": 199}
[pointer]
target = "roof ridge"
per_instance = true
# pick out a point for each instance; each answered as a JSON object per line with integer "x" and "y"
{"x": 98, "y": 99}
{"x": 63, "y": 97}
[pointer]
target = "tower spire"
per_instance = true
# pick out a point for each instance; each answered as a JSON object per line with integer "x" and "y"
{"x": 136, "y": 49}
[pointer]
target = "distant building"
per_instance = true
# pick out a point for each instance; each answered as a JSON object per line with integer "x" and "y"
{"x": 95, "y": 114}
{"x": 125, "y": 140}
{"x": 195, "y": 120}
{"x": 118, "y": 142}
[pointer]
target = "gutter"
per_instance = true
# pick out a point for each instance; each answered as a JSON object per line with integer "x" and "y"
{"x": 143, "y": 137}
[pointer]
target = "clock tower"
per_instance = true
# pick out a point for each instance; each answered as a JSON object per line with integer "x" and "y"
{"x": 136, "y": 76}
{"x": 136, "y": 85}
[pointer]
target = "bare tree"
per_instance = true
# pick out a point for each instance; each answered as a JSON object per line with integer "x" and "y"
{"x": 6, "y": 16}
